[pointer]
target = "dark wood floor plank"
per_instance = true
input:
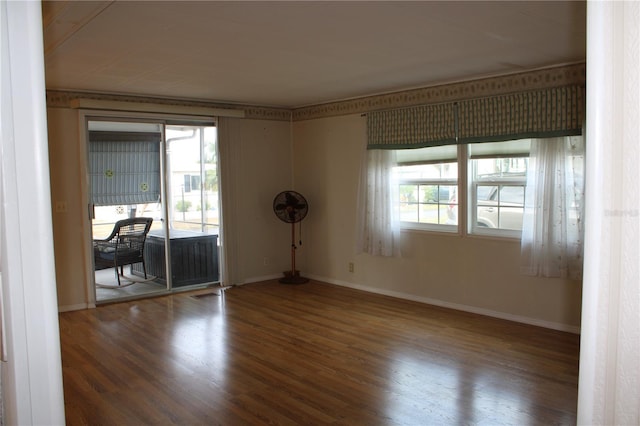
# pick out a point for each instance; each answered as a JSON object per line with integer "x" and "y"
{"x": 314, "y": 353}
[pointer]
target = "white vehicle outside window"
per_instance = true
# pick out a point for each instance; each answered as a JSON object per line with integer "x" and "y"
{"x": 498, "y": 177}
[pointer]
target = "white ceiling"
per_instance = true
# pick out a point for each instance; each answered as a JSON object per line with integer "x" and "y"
{"x": 299, "y": 53}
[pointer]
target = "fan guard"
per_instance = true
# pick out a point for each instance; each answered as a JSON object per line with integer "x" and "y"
{"x": 291, "y": 207}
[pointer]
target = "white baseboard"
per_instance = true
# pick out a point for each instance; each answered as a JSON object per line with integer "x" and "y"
{"x": 258, "y": 279}
{"x": 78, "y": 307}
{"x": 456, "y": 306}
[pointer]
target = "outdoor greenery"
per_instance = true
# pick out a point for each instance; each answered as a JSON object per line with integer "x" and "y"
{"x": 211, "y": 180}
{"x": 408, "y": 193}
{"x": 183, "y": 206}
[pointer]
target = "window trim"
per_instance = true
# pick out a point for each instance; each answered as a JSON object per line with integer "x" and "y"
{"x": 430, "y": 227}
{"x": 439, "y": 227}
{"x": 467, "y": 204}
{"x": 472, "y": 227}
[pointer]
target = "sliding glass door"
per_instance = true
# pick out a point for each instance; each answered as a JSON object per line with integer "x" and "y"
{"x": 158, "y": 171}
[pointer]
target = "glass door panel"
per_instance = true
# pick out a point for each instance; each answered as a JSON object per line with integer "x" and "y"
{"x": 124, "y": 164}
{"x": 192, "y": 191}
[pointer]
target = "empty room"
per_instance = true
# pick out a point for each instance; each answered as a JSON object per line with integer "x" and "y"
{"x": 309, "y": 212}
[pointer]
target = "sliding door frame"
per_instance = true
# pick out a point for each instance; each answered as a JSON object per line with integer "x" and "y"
{"x": 85, "y": 116}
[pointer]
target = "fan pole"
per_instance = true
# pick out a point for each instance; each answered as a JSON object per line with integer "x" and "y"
{"x": 293, "y": 249}
{"x": 293, "y": 276}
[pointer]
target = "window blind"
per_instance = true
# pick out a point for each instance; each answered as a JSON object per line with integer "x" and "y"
{"x": 124, "y": 167}
{"x": 436, "y": 154}
{"x": 505, "y": 149}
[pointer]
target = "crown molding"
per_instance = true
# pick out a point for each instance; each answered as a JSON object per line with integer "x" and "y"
{"x": 492, "y": 86}
{"x": 525, "y": 81}
{"x": 83, "y": 103}
{"x": 70, "y": 99}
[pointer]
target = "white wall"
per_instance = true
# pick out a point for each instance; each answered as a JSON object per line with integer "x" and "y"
{"x": 609, "y": 385}
{"x": 32, "y": 371}
{"x": 471, "y": 273}
{"x": 66, "y": 174}
{"x": 256, "y": 165}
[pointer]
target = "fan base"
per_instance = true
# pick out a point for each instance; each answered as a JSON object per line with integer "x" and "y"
{"x": 293, "y": 277}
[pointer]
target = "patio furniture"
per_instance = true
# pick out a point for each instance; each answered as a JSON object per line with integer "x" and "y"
{"x": 125, "y": 245}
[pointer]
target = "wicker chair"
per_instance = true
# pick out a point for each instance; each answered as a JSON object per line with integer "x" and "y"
{"x": 125, "y": 245}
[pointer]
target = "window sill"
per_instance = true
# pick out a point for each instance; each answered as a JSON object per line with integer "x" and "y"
{"x": 496, "y": 237}
{"x": 437, "y": 229}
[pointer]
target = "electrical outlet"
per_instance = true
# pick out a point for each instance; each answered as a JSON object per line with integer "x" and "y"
{"x": 265, "y": 261}
{"x": 61, "y": 206}
{"x": 351, "y": 267}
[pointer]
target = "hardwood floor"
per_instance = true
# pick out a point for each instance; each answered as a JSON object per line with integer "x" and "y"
{"x": 310, "y": 354}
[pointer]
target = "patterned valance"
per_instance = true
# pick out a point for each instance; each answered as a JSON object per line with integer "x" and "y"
{"x": 415, "y": 127}
{"x": 124, "y": 167}
{"x": 542, "y": 113}
{"x": 536, "y": 114}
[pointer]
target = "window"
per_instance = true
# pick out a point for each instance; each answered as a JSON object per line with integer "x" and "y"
{"x": 426, "y": 193}
{"x": 471, "y": 127}
{"x": 191, "y": 183}
{"x": 428, "y": 187}
{"x": 498, "y": 177}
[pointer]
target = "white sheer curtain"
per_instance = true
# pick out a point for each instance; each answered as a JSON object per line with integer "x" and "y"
{"x": 378, "y": 229}
{"x": 553, "y": 223}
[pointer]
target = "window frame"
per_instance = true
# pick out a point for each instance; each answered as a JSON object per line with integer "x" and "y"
{"x": 439, "y": 227}
{"x": 467, "y": 204}
{"x": 423, "y": 226}
{"x": 473, "y": 227}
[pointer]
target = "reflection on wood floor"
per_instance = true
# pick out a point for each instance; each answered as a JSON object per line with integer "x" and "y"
{"x": 314, "y": 353}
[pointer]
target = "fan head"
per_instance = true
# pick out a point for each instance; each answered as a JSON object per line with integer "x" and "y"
{"x": 290, "y": 206}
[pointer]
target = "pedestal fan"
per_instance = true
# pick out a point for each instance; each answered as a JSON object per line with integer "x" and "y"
{"x": 291, "y": 207}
